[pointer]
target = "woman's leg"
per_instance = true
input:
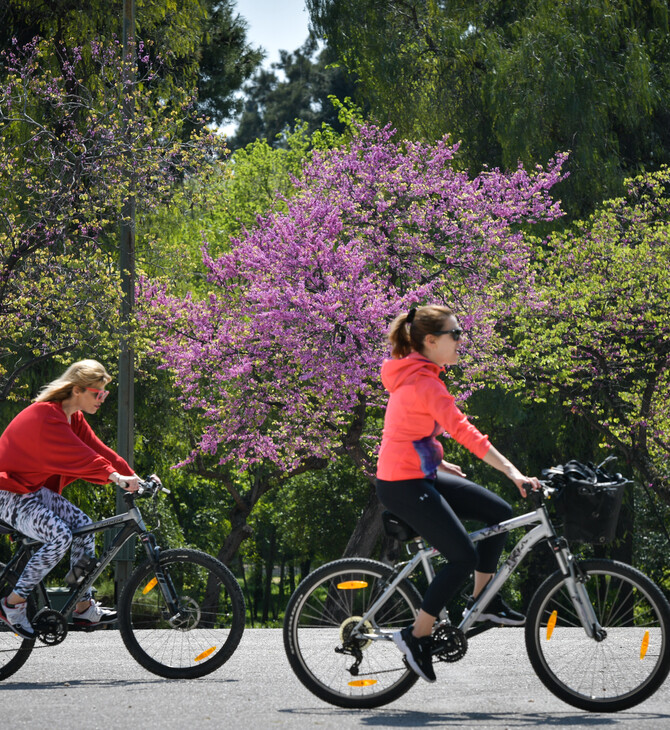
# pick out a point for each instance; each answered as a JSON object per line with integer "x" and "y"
{"x": 33, "y": 518}
{"x": 428, "y": 512}
{"x": 73, "y": 517}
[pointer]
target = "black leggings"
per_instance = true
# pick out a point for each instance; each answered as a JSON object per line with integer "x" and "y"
{"x": 435, "y": 508}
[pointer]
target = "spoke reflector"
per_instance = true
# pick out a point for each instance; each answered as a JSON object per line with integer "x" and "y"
{"x": 205, "y": 654}
{"x": 362, "y": 682}
{"x": 551, "y": 624}
{"x": 645, "y": 645}
{"x": 150, "y": 586}
{"x": 349, "y": 585}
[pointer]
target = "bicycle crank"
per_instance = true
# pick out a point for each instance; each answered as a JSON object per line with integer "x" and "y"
{"x": 449, "y": 644}
{"x": 50, "y": 626}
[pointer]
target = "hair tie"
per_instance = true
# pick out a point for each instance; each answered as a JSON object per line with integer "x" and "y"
{"x": 410, "y": 315}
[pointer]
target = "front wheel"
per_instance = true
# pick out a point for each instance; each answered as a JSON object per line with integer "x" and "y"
{"x": 202, "y": 629}
{"x": 14, "y": 649}
{"x": 334, "y": 662}
{"x": 628, "y": 665}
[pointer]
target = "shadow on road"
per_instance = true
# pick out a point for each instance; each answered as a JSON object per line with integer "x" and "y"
{"x": 402, "y": 718}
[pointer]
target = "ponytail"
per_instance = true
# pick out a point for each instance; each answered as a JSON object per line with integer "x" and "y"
{"x": 409, "y": 329}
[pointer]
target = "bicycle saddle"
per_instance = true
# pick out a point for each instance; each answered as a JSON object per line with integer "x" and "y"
{"x": 397, "y": 528}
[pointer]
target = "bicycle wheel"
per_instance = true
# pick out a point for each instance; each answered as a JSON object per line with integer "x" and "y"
{"x": 204, "y": 632}
{"x": 14, "y": 649}
{"x": 623, "y": 669}
{"x": 326, "y": 606}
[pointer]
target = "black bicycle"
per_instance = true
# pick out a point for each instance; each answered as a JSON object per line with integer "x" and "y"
{"x": 597, "y": 631}
{"x": 181, "y": 614}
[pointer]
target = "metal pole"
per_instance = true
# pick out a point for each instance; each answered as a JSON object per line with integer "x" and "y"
{"x": 126, "y": 404}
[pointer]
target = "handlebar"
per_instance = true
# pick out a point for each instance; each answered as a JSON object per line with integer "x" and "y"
{"x": 150, "y": 487}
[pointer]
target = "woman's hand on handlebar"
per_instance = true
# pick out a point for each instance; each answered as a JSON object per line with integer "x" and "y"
{"x": 523, "y": 483}
{"x": 129, "y": 484}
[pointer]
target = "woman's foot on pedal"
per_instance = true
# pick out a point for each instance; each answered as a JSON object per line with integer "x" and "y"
{"x": 94, "y": 615}
{"x": 498, "y": 612}
{"x": 17, "y": 618}
{"x": 417, "y": 652}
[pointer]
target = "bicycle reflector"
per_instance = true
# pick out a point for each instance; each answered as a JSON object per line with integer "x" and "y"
{"x": 350, "y": 585}
{"x": 362, "y": 682}
{"x": 645, "y": 645}
{"x": 150, "y": 586}
{"x": 205, "y": 654}
{"x": 551, "y": 624}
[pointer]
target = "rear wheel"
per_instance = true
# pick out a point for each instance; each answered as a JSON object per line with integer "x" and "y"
{"x": 336, "y": 663}
{"x": 14, "y": 649}
{"x": 628, "y": 665}
{"x": 204, "y": 630}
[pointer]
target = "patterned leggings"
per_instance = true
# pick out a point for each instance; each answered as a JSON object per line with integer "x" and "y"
{"x": 49, "y": 518}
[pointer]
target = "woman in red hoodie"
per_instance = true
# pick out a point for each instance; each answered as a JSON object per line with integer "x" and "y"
{"x": 430, "y": 494}
{"x": 47, "y": 446}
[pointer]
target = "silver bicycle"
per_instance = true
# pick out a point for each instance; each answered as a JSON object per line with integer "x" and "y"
{"x": 597, "y": 631}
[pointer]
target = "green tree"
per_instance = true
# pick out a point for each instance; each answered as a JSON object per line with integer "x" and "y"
{"x": 274, "y": 104}
{"x": 517, "y": 81}
{"x": 200, "y": 43}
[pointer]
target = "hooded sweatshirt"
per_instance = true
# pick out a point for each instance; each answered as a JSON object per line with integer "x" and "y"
{"x": 419, "y": 409}
{"x": 40, "y": 448}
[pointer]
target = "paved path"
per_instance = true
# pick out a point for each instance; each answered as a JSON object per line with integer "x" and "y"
{"x": 90, "y": 681}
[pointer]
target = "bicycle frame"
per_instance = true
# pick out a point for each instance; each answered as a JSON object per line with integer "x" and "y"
{"x": 132, "y": 524}
{"x": 543, "y": 530}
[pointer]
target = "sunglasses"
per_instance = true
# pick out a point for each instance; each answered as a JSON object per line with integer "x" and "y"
{"x": 455, "y": 333}
{"x": 100, "y": 394}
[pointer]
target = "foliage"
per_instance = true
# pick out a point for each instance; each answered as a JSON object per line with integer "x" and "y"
{"x": 201, "y": 43}
{"x": 517, "y": 81}
{"x": 282, "y": 356}
{"x": 71, "y": 158}
{"x": 273, "y": 104}
{"x": 599, "y": 336}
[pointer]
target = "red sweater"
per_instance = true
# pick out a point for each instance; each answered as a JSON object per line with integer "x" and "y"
{"x": 39, "y": 448}
{"x": 419, "y": 409}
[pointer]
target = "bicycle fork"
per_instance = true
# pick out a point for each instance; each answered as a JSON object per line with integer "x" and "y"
{"x": 162, "y": 579}
{"x": 575, "y": 582}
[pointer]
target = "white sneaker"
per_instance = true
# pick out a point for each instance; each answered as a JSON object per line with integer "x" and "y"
{"x": 93, "y": 615}
{"x": 17, "y": 617}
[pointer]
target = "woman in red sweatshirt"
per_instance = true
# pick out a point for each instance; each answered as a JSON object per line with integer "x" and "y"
{"x": 47, "y": 446}
{"x": 430, "y": 494}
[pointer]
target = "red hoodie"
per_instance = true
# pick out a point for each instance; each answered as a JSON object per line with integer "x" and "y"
{"x": 419, "y": 409}
{"x": 39, "y": 448}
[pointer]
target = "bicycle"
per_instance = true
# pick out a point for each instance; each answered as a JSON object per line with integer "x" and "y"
{"x": 597, "y": 631}
{"x": 181, "y": 614}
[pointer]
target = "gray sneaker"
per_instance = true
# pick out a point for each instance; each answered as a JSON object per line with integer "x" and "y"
{"x": 417, "y": 652}
{"x": 17, "y": 618}
{"x": 94, "y": 615}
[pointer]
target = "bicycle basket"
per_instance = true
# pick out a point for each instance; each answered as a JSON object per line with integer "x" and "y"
{"x": 588, "y": 501}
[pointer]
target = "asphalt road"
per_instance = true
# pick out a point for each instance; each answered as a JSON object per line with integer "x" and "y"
{"x": 90, "y": 681}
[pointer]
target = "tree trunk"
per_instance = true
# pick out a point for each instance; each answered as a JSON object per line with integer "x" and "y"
{"x": 368, "y": 529}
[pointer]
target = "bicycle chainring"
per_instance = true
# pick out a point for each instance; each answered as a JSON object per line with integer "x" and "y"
{"x": 50, "y": 626}
{"x": 449, "y": 644}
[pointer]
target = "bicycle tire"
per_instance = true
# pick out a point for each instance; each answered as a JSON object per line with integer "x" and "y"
{"x": 211, "y": 616}
{"x": 625, "y": 668}
{"x": 318, "y": 616}
{"x": 14, "y": 649}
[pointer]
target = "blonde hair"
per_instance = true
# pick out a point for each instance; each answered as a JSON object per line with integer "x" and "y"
{"x": 408, "y": 336}
{"x": 85, "y": 374}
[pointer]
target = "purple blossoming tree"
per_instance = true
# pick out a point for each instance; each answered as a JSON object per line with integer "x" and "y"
{"x": 282, "y": 357}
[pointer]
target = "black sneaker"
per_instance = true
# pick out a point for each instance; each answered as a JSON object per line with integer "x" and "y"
{"x": 498, "y": 612}
{"x": 417, "y": 652}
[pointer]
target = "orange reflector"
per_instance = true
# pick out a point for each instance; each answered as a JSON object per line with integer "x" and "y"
{"x": 362, "y": 682}
{"x": 645, "y": 645}
{"x": 349, "y": 585}
{"x": 551, "y": 624}
{"x": 149, "y": 586}
{"x": 205, "y": 654}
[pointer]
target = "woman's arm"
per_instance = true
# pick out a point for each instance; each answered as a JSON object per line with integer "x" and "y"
{"x": 495, "y": 459}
